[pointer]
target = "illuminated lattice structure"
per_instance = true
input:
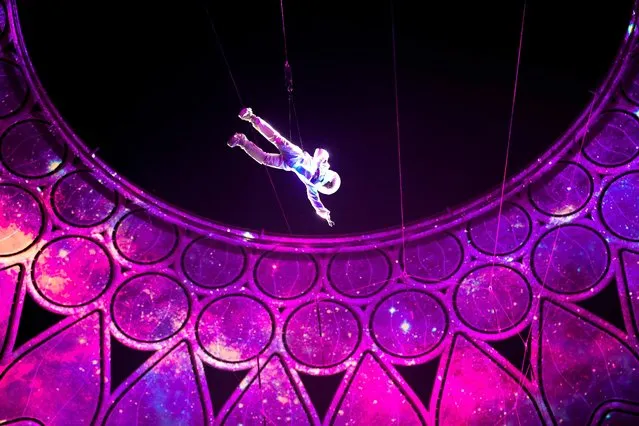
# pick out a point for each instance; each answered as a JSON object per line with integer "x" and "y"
{"x": 126, "y": 269}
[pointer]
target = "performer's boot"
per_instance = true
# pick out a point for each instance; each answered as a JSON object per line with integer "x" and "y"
{"x": 246, "y": 114}
{"x": 237, "y": 139}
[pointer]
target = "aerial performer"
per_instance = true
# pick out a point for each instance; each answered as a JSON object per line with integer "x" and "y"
{"x": 314, "y": 171}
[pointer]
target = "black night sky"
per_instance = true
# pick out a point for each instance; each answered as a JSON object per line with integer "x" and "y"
{"x": 145, "y": 82}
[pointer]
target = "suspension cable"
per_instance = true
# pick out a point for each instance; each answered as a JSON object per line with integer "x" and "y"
{"x": 288, "y": 80}
{"x": 239, "y": 97}
{"x": 399, "y": 146}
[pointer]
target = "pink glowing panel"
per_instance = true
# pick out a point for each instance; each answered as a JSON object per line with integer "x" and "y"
{"x": 21, "y": 219}
{"x": 72, "y": 360}
{"x": 570, "y": 259}
{"x": 13, "y": 88}
{"x": 213, "y": 264}
{"x": 359, "y": 274}
{"x": 143, "y": 238}
{"x": 235, "y": 328}
{"x": 373, "y": 397}
{"x": 514, "y": 230}
{"x": 80, "y": 200}
{"x": 433, "y": 260}
{"x": 31, "y": 149}
{"x": 630, "y": 262}
{"x": 409, "y": 323}
{"x": 72, "y": 271}
{"x": 322, "y": 333}
{"x": 9, "y": 281}
{"x": 166, "y": 394}
{"x": 613, "y": 140}
{"x": 620, "y": 206}
{"x": 286, "y": 275}
{"x": 564, "y": 192}
{"x": 150, "y": 307}
{"x": 476, "y": 390}
{"x": 582, "y": 365}
{"x": 492, "y": 299}
{"x": 271, "y": 399}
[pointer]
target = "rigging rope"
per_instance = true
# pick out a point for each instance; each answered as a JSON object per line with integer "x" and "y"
{"x": 510, "y": 131}
{"x": 239, "y": 97}
{"x": 288, "y": 79}
{"x": 399, "y": 146}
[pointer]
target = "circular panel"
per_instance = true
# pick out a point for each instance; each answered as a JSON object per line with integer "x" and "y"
{"x": 322, "y": 334}
{"x": 492, "y": 299}
{"x": 431, "y": 260}
{"x": 612, "y": 140}
{"x": 13, "y": 88}
{"x": 21, "y": 219}
{"x": 226, "y": 335}
{"x": 285, "y": 275}
{"x": 620, "y": 206}
{"x": 72, "y": 271}
{"x": 142, "y": 238}
{"x": 80, "y": 200}
{"x": 570, "y": 259}
{"x": 150, "y": 307}
{"x": 566, "y": 192}
{"x": 359, "y": 274}
{"x": 213, "y": 264}
{"x": 31, "y": 149}
{"x": 409, "y": 323}
{"x": 514, "y": 230}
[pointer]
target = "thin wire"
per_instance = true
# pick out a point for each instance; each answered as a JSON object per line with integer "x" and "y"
{"x": 288, "y": 79}
{"x": 510, "y": 131}
{"x": 284, "y": 29}
{"x": 221, "y": 48}
{"x": 399, "y": 146}
{"x": 239, "y": 97}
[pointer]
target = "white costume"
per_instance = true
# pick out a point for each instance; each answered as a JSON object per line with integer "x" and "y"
{"x": 314, "y": 171}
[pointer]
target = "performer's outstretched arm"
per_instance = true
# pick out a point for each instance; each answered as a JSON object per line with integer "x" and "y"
{"x": 321, "y": 211}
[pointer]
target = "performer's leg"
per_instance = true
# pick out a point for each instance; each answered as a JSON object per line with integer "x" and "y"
{"x": 269, "y": 132}
{"x": 256, "y": 153}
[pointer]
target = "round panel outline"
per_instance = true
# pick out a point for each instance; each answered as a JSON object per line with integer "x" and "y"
{"x": 43, "y": 219}
{"x": 571, "y": 225}
{"x": 351, "y": 310}
{"x": 161, "y": 259}
{"x": 63, "y": 158}
{"x": 58, "y": 215}
{"x": 600, "y": 205}
{"x": 591, "y": 192}
{"x": 402, "y": 259}
{"x": 112, "y": 267}
{"x": 447, "y": 324}
{"x": 314, "y": 282}
{"x": 245, "y": 264}
{"x": 27, "y": 91}
{"x": 585, "y": 142}
{"x": 487, "y": 215}
{"x": 189, "y": 308}
{"x": 389, "y": 275}
{"x": 504, "y": 330}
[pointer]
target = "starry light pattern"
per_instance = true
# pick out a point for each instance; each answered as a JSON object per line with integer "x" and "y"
{"x": 121, "y": 266}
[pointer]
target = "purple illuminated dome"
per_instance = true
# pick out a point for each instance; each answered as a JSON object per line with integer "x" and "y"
{"x": 125, "y": 269}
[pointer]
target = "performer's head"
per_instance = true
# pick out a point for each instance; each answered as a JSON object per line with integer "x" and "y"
{"x": 321, "y": 155}
{"x": 330, "y": 183}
